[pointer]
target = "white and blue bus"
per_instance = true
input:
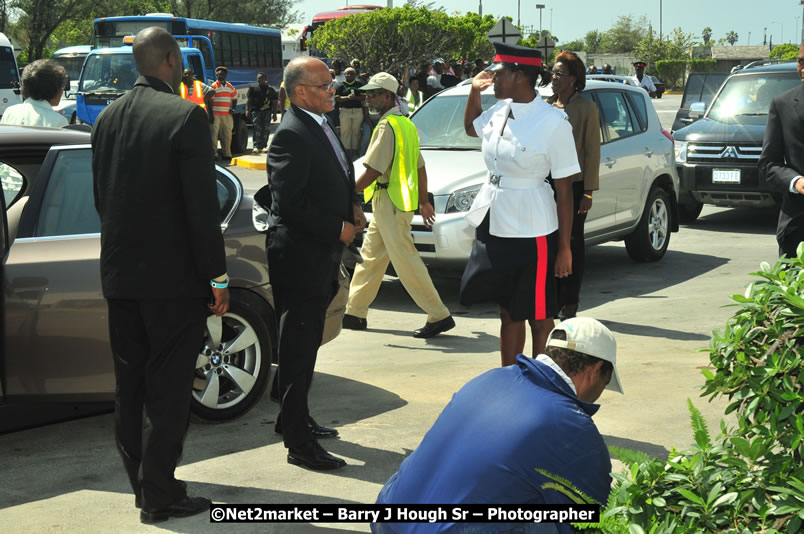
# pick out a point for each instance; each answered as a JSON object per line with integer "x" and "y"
{"x": 244, "y": 50}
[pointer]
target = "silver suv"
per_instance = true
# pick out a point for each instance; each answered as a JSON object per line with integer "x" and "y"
{"x": 638, "y": 181}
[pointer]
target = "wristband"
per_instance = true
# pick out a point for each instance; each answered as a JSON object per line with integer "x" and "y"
{"x": 588, "y": 196}
{"x": 220, "y": 285}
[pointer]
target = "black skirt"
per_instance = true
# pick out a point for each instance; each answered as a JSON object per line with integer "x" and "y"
{"x": 514, "y": 272}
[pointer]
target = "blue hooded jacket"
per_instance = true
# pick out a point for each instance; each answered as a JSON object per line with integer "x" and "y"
{"x": 488, "y": 442}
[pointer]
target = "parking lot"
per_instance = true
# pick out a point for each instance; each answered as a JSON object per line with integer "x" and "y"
{"x": 383, "y": 389}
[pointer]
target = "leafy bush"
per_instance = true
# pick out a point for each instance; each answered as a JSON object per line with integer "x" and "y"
{"x": 784, "y": 51}
{"x": 702, "y": 65}
{"x": 671, "y": 72}
{"x": 751, "y": 478}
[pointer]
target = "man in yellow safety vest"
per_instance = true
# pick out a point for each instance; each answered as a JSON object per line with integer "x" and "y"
{"x": 195, "y": 90}
{"x": 395, "y": 181}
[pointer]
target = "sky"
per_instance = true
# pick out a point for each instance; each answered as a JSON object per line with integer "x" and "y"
{"x": 572, "y": 19}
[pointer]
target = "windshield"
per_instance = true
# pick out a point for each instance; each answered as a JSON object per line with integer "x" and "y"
{"x": 748, "y": 96}
{"x": 108, "y": 73}
{"x": 9, "y": 77}
{"x": 72, "y": 64}
{"x": 440, "y": 123}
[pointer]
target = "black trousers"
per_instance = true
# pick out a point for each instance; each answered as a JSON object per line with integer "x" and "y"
{"x": 155, "y": 344}
{"x": 301, "y": 328}
{"x": 569, "y": 288}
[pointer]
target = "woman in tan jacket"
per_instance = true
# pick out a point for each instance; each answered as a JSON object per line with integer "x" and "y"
{"x": 569, "y": 79}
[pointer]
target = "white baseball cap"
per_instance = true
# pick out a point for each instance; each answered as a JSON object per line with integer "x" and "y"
{"x": 381, "y": 80}
{"x": 591, "y": 337}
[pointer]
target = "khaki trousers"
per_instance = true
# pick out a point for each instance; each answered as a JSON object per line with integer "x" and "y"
{"x": 351, "y": 121}
{"x": 222, "y": 127}
{"x": 388, "y": 239}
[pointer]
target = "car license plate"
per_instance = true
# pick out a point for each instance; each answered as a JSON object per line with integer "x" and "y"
{"x": 725, "y": 176}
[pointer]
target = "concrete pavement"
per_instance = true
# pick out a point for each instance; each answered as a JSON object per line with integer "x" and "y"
{"x": 383, "y": 389}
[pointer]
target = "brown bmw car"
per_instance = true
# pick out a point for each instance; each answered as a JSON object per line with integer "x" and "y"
{"x": 55, "y": 319}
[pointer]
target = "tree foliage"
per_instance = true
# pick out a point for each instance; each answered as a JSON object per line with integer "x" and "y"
{"x": 732, "y": 37}
{"x": 676, "y": 46}
{"x": 706, "y": 34}
{"x": 624, "y": 35}
{"x": 784, "y": 51}
{"x": 384, "y": 38}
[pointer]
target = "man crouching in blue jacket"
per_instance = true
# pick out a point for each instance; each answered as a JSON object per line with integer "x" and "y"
{"x": 503, "y": 429}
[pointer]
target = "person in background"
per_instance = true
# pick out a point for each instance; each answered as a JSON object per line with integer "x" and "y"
{"x": 505, "y": 435}
{"x": 162, "y": 257}
{"x": 607, "y": 69}
{"x": 569, "y": 79}
{"x": 195, "y": 90}
{"x": 412, "y": 94}
{"x": 283, "y": 98}
{"x": 223, "y": 107}
{"x": 355, "y": 64}
{"x": 43, "y": 83}
{"x": 523, "y": 228}
{"x": 642, "y": 80}
{"x": 434, "y": 79}
{"x": 337, "y": 66}
{"x": 350, "y": 101}
{"x": 261, "y": 106}
{"x": 395, "y": 182}
{"x": 782, "y": 161}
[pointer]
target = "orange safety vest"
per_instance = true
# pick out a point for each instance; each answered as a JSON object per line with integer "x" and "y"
{"x": 197, "y": 96}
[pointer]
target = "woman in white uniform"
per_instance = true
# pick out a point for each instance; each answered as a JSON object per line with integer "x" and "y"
{"x": 522, "y": 229}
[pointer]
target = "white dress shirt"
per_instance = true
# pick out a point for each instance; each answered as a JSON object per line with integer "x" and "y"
{"x": 520, "y": 152}
{"x": 646, "y": 82}
{"x": 34, "y": 113}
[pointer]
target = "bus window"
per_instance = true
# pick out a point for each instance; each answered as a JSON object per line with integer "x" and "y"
{"x": 235, "y": 39}
{"x": 261, "y": 52}
{"x": 9, "y": 76}
{"x": 253, "y": 61}
{"x": 198, "y": 71}
{"x": 276, "y": 47}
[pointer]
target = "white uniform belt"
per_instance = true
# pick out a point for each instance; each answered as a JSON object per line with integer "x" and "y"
{"x": 511, "y": 182}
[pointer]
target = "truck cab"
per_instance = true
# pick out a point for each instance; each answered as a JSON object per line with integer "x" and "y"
{"x": 109, "y": 73}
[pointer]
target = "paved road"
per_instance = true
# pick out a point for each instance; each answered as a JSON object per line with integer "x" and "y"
{"x": 666, "y": 107}
{"x": 383, "y": 389}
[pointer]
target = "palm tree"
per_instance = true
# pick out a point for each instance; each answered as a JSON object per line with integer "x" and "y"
{"x": 707, "y": 35}
{"x": 732, "y": 37}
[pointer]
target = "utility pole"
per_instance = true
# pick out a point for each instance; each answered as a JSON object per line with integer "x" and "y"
{"x": 540, "y": 7}
{"x": 480, "y": 8}
{"x": 518, "y": 22}
{"x": 660, "y": 20}
{"x": 749, "y": 38}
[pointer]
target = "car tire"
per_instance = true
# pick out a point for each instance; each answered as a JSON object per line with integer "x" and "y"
{"x": 689, "y": 211}
{"x": 234, "y": 364}
{"x": 240, "y": 136}
{"x": 659, "y": 95}
{"x": 649, "y": 241}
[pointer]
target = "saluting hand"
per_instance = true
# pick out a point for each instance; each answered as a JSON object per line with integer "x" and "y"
{"x": 483, "y": 80}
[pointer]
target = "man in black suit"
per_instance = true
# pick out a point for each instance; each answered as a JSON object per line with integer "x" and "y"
{"x": 161, "y": 251}
{"x": 782, "y": 161}
{"x": 312, "y": 215}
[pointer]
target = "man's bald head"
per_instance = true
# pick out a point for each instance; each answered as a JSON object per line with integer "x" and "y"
{"x": 298, "y": 72}
{"x": 157, "y": 54}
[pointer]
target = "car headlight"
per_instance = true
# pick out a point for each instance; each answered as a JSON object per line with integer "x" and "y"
{"x": 461, "y": 200}
{"x": 680, "y": 151}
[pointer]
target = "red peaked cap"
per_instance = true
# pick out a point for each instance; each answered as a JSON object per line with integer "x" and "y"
{"x": 521, "y": 56}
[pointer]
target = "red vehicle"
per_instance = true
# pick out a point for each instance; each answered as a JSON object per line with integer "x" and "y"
{"x": 322, "y": 18}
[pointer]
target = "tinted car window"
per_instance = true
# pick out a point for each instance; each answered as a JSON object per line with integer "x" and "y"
{"x": 440, "y": 123}
{"x": 68, "y": 207}
{"x": 641, "y": 110}
{"x": 618, "y": 119}
{"x": 744, "y": 97}
{"x": 12, "y": 181}
{"x": 9, "y": 77}
{"x": 227, "y": 195}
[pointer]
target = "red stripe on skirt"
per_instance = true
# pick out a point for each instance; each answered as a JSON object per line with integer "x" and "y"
{"x": 541, "y": 278}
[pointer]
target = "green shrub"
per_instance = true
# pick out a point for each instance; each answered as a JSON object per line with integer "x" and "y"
{"x": 750, "y": 478}
{"x": 702, "y": 65}
{"x": 671, "y": 72}
{"x": 784, "y": 51}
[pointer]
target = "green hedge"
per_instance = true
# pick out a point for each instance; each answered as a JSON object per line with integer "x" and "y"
{"x": 672, "y": 71}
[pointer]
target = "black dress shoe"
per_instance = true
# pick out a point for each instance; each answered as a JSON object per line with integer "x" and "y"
{"x": 313, "y": 456}
{"x": 138, "y": 499}
{"x": 319, "y": 432}
{"x": 184, "y": 507}
{"x": 433, "y": 329}
{"x": 350, "y": 322}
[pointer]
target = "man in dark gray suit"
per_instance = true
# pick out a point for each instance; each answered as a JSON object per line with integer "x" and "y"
{"x": 310, "y": 198}
{"x": 162, "y": 257}
{"x": 782, "y": 161}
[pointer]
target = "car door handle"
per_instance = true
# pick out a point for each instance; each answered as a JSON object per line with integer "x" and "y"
{"x": 610, "y": 162}
{"x": 648, "y": 151}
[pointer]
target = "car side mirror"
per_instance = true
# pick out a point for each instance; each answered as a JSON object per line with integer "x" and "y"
{"x": 697, "y": 110}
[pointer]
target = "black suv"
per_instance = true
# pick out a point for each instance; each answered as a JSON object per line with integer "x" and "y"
{"x": 717, "y": 156}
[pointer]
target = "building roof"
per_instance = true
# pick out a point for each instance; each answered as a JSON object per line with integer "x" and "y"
{"x": 741, "y": 52}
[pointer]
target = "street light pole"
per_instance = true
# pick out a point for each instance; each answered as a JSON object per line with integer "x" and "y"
{"x": 660, "y": 20}
{"x": 480, "y": 7}
{"x": 540, "y": 7}
{"x": 518, "y": 22}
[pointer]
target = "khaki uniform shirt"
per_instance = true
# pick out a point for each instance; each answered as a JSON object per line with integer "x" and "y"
{"x": 380, "y": 153}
